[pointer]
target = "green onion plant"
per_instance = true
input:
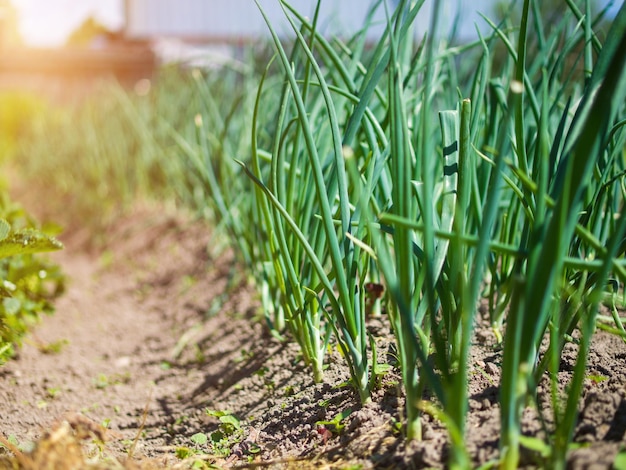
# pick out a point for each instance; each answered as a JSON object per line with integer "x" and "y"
{"x": 448, "y": 174}
{"x": 489, "y": 203}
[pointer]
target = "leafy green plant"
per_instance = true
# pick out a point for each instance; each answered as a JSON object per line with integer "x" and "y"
{"x": 28, "y": 283}
{"x": 228, "y": 433}
{"x": 199, "y": 438}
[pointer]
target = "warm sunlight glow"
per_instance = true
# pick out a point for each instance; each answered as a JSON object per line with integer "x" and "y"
{"x": 48, "y": 23}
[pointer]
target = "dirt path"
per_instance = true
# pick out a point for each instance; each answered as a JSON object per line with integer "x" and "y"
{"x": 124, "y": 337}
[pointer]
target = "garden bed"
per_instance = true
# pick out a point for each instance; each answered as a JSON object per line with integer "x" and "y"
{"x": 467, "y": 198}
{"x": 156, "y": 336}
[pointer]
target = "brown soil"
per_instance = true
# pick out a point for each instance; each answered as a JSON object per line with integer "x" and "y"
{"x": 155, "y": 329}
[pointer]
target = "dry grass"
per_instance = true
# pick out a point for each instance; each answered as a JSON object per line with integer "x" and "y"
{"x": 66, "y": 446}
{"x": 69, "y": 443}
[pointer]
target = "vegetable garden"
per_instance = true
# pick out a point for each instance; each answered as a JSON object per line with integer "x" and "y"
{"x": 440, "y": 192}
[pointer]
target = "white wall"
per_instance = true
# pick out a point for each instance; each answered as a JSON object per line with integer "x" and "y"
{"x": 241, "y": 19}
{"x": 49, "y": 22}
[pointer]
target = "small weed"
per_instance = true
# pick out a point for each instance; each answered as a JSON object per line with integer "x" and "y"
{"x": 91, "y": 408}
{"x": 324, "y": 403}
{"x": 187, "y": 282}
{"x": 336, "y": 423}
{"x": 54, "y": 347}
{"x": 199, "y": 355}
{"x": 183, "y": 453}
{"x": 181, "y": 419}
{"x": 53, "y": 392}
{"x": 199, "y": 439}
{"x": 228, "y": 433}
{"x": 396, "y": 427}
{"x": 12, "y": 441}
{"x": 245, "y": 356}
{"x": 12, "y": 444}
{"x": 348, "y": 383}
{"x": 106, "y": 259}
{"x": 620, "y": 460}
{"x": 229, "y": 423}
{"x": 127, "y": 443}
{"x": 597, "y": 378}
{"x": 103, "y": 381}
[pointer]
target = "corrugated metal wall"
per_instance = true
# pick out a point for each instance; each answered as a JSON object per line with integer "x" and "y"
{"x": 237, "y": 19}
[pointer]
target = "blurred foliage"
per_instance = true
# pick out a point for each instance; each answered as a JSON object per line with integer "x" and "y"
{"x": 28, "y": 282}
{"x": 17, "y": 111}
{"x": 9, "y": 28}
{"x": 116, "y": 146}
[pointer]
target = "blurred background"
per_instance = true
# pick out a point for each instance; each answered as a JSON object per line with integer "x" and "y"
{"x": 130, "y": 38}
